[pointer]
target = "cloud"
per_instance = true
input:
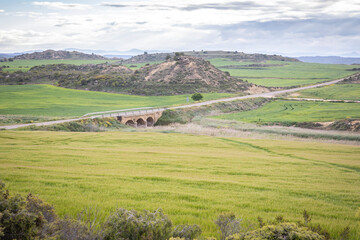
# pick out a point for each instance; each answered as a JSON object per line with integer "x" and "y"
{"x": 61, "y": 5}
{"x": 2, "y": 10}
{"x": 221, "y": 6}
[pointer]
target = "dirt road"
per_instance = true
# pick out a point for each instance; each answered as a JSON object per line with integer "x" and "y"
{"x": 139, "y": 112}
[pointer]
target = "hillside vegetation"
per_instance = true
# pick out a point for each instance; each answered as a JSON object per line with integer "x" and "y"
{"x": 235, "y": 56}
{"x": 192, "y": 178}
{"x": 179, "y": 75}
{"x": 52, "y": 54}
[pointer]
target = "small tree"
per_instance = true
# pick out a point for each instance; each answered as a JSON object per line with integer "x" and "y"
{"x": 197, "y": 96}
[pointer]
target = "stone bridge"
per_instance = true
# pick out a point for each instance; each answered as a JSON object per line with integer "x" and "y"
{"x": 143, "y": 118}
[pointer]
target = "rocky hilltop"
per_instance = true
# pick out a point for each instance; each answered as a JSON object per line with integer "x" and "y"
{"x": 52, "y": 54}
{"x": 235, "y": 56}
{"x": 177, "y": 75}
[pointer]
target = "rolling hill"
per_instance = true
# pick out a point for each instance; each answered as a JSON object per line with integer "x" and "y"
{"x": 52, "y": 54}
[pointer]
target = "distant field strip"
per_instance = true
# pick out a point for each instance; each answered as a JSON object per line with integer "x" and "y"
{"x": 47, "y": 100}
{"x": 25, "y": 65}
{"x": 297, "y": 111}
{"x": 193, "y": 178}
{"x": 336, "y": 91}
{"x": 283, "y": 74}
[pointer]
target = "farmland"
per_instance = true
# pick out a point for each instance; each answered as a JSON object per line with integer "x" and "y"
{"x": 282, "y": 74}
{"x": 193, "y": 178}
{"x": 337, "y": 92}
{"x": 296, "y": 111}
{"x": 47, "y": 100}
{"x": 25, "y": 65}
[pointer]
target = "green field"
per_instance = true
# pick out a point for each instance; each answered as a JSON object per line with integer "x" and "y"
{"x": 296, "y": 111}
{"x": 25, "y": 65}
{"x": 193, "y": 178}
{"x": 47, "y": 100}
{"x": 334, "y": 92}
{"x": 289, "y": 74}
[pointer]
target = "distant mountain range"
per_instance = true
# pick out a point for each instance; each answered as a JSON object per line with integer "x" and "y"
{"x": 329, "y": 59}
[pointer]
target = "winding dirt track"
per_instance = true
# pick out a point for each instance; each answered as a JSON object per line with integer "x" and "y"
{"x": 139, "y": 112}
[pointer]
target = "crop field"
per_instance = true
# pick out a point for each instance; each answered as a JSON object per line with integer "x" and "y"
{"x": 283, "y": 74}
{"x": 25, "y": 65}
{"x": 51, "y": 101}
{"x": 296, "y": 111}
{"x": 192, "y": 178}
{"x": 336, "y": 92}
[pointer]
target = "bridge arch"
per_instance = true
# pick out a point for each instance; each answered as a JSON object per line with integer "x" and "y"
{"x": 140, "y": 122}
{"x": 130, "y": 123}
{"x": 150, "y": 122}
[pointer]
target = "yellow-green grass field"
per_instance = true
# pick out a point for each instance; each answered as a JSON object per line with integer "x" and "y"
{"x": 25, "y": 65}
{"x": 46, "y": 100}
{"x": 333, "y": 92}
{"x": 192, "y": 178}
{"x": 296, "y": 111}
{"x": 289, "y": 74}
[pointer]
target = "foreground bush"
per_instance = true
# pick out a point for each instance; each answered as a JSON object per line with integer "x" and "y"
{"x": 282, "y": 231}
{"x": 187, "y": 232}
{"x": 132, "y": 225}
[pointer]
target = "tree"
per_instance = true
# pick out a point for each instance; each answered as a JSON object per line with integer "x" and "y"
{"x": 197, "y": 96}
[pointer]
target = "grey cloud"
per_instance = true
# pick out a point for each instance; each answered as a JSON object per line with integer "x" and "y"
{"x": 141, "y": 23}
{"x": 221, "y": 6}
{"x": 308, "y": 27}
{"x": 65, "y": 24}
{"x": 115, "y": 5}
{"x": 191, "y": 7}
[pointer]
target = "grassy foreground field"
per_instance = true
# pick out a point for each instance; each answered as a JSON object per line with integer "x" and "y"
{"x": 296, "y": 111}
{"x": 193, "y": 178}
{"x": 47, "y": 100}
{"x": 25, "y": 65}
{"x": 284, "y": 74}
{"x": 337, "y": 91}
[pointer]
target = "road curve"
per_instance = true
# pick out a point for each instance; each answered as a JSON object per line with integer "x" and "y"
{"x": 129, "y": 113}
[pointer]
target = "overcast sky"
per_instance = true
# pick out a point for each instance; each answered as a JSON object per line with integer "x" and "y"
{"x": 290, "y": 27}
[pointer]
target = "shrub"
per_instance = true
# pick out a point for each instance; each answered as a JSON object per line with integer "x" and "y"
{"x": 197, "y": 96}
{"x": 281, "y": 231}
{"x": 15, "y": 221}
{"x": 228, "y": 225}
{"x": 187, "y": 232}
{"x": 125, "y": 224}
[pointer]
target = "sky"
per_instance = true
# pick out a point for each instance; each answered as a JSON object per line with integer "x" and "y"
{"x": 288, "y": 27}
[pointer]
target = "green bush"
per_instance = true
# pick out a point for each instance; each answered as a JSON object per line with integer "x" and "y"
{"x": 125, "y": 224}
{"x": 197, "y": 96}
{"x": 187, "y": 232}
{"x": 281, "y": 231}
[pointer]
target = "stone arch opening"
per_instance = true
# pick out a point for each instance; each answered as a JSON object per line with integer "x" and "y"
{"x": 141, "y": 123}
{"x": 130, "y": 123}
{"x": 150, "y": 122}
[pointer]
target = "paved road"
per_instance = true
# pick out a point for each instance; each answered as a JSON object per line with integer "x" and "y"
{"x": 140, "y": 112}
